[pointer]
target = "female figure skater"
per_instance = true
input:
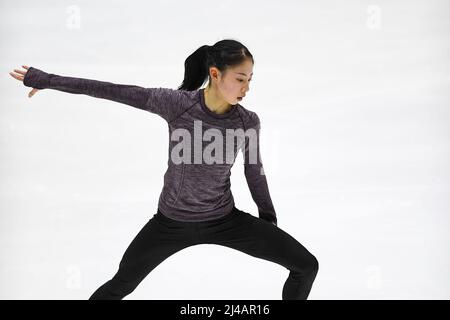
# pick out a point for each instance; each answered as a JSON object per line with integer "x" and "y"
{"x": 196, "y": 205}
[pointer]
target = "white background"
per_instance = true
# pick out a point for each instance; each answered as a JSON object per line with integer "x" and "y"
{"x": 354, "y": 106}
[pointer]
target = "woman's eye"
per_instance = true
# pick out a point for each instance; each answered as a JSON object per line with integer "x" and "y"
{"x": 240, "y": 80}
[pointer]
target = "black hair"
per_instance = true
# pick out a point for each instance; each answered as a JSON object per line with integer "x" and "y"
{"x": 222, "y": 55}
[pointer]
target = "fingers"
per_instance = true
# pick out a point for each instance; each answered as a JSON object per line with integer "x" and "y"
{"x": 20, "y": 71}
{"x": 32, "y": 92}
{"x": 20, "y": 75}
{"x": 17, "y": 76}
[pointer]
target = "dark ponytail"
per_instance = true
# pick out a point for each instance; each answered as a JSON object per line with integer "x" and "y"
{"x": 222, "y": 55}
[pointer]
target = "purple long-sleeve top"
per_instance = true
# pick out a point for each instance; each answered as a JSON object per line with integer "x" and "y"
{"x": 202, "y": 149}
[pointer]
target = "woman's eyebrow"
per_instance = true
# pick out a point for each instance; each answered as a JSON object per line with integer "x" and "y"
{"x": 243, "y": 73}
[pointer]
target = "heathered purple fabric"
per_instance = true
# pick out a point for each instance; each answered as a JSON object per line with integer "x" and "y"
{"x": 191, "y": 191}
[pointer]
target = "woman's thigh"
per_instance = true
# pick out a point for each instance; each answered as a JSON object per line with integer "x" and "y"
{"x": 258, "y": 238}
{"x": 156, "y": 241}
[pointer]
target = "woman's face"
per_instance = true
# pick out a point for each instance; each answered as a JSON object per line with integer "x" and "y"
{"x": 234, "y": 83}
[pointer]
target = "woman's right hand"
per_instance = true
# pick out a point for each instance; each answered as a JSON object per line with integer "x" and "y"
{"x": 19, "y": 75}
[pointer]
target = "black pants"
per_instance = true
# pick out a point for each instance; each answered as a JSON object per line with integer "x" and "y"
{"x": 161, "y": 237}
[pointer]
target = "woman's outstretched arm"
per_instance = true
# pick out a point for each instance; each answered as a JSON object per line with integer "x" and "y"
{"x": 162, "y": 101}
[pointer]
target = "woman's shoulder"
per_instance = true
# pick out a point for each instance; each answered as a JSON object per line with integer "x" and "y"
{"x": 249, "y": 117}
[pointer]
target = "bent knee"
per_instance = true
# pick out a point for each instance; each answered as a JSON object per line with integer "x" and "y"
{"x": 315, "y": 264}
{"x": 312, "y": 266}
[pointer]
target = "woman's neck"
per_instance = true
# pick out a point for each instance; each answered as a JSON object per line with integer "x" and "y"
{"x": 215, "y": 103}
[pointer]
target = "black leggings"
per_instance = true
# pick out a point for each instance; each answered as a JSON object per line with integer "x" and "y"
{"x": 161, "y": 237}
